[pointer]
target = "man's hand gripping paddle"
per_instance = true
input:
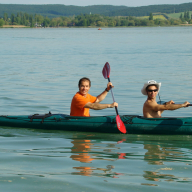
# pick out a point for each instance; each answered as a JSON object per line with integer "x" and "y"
{"x": 106, "y": 75}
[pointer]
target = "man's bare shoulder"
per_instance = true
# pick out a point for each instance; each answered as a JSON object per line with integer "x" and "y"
{"x": 150, "y": 109}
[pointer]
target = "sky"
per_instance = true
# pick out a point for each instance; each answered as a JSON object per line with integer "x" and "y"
{"x": 129, "y": 3}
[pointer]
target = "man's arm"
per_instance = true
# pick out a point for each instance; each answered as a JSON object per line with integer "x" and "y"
{"x": 104, "y": 93}
{"x": 168, "y": 106}
{"x": 98, "y": 106}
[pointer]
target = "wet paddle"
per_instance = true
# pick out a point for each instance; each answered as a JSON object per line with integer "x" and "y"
{"x": 106, "y": 75}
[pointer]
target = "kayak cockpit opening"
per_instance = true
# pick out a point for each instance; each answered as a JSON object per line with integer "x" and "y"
{"x": 43, "y": 116}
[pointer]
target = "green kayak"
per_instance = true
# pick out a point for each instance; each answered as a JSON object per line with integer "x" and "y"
{"x": 104, "y": 124}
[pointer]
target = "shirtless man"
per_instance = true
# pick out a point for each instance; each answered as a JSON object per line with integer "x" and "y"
{"x": 150, "y": 108}
{"x": 83, "y": 101}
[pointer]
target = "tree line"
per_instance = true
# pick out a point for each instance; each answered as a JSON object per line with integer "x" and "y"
{"x": 89, "y": 20}
{"x": 186, "y": 16}
{"x": 146, "y": 10}
{"x": 55, "y": 10}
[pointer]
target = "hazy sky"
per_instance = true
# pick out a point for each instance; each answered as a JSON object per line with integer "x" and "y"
{"x": 129, "y": 3}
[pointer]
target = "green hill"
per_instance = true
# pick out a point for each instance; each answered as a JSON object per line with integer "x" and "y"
{"x": 146, "y": 10}
{"x": 177, "y": 15}
{"x": 55, "y": 10}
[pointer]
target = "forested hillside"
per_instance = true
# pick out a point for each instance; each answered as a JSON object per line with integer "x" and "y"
{"x": 146, "y": 10}
{"x": 52, "y": 11}
{"x": 57, "y": 10}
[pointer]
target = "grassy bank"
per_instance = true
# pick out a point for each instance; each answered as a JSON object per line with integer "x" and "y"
{"x": 14, "y": 26}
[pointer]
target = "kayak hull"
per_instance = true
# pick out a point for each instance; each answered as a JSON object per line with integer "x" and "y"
{"x": 102, "y": 124}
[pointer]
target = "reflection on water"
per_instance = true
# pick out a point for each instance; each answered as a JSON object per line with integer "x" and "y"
{"x": 157, "y": 154}
{"x": 80, "y": 150}
{"x": 83, "y": 151}
{"x": 155, "y": 176}
{"x": 132, "y": 160}
{"x": 99, "y": 172}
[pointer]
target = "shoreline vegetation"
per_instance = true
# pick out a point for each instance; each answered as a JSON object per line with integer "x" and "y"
{"x": 14, "y": 26}
{"x": 22, "y": 26}
{"x": 24, "y": 20}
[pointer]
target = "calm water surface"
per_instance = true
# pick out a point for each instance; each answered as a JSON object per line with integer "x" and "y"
{"x": 40, "y": 69}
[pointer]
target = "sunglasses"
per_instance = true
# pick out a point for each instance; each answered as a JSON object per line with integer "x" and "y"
{"x": 151, "y": 90}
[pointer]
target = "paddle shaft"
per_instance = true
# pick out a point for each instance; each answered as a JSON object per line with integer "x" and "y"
{"x": 113, "y": 97}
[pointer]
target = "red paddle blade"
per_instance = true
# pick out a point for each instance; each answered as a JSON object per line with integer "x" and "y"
{"x": 106, "y": 70}
{"x": 120, "y": 125}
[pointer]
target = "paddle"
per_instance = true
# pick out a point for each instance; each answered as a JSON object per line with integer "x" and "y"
{"x": 106, "y": 74}
{"x": 163, "y": 102}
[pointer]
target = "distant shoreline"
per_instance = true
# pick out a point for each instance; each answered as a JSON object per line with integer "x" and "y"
{"x": 22, "y": 26}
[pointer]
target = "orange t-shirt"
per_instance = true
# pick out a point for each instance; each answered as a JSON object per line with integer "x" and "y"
{"x": 78, "y": 103}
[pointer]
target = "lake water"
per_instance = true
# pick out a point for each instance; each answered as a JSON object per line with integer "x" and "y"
{"x": 40, "y": 69}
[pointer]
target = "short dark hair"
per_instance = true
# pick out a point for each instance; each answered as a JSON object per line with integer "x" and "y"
{"x": 150, "y": 86}
{"x": 84, "y": 79}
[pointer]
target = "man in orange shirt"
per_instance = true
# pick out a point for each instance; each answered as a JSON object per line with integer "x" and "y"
{"x": 83, "y": 101}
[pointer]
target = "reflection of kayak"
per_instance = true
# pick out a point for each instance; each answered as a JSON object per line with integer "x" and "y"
{"x": 105, "y": 124}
